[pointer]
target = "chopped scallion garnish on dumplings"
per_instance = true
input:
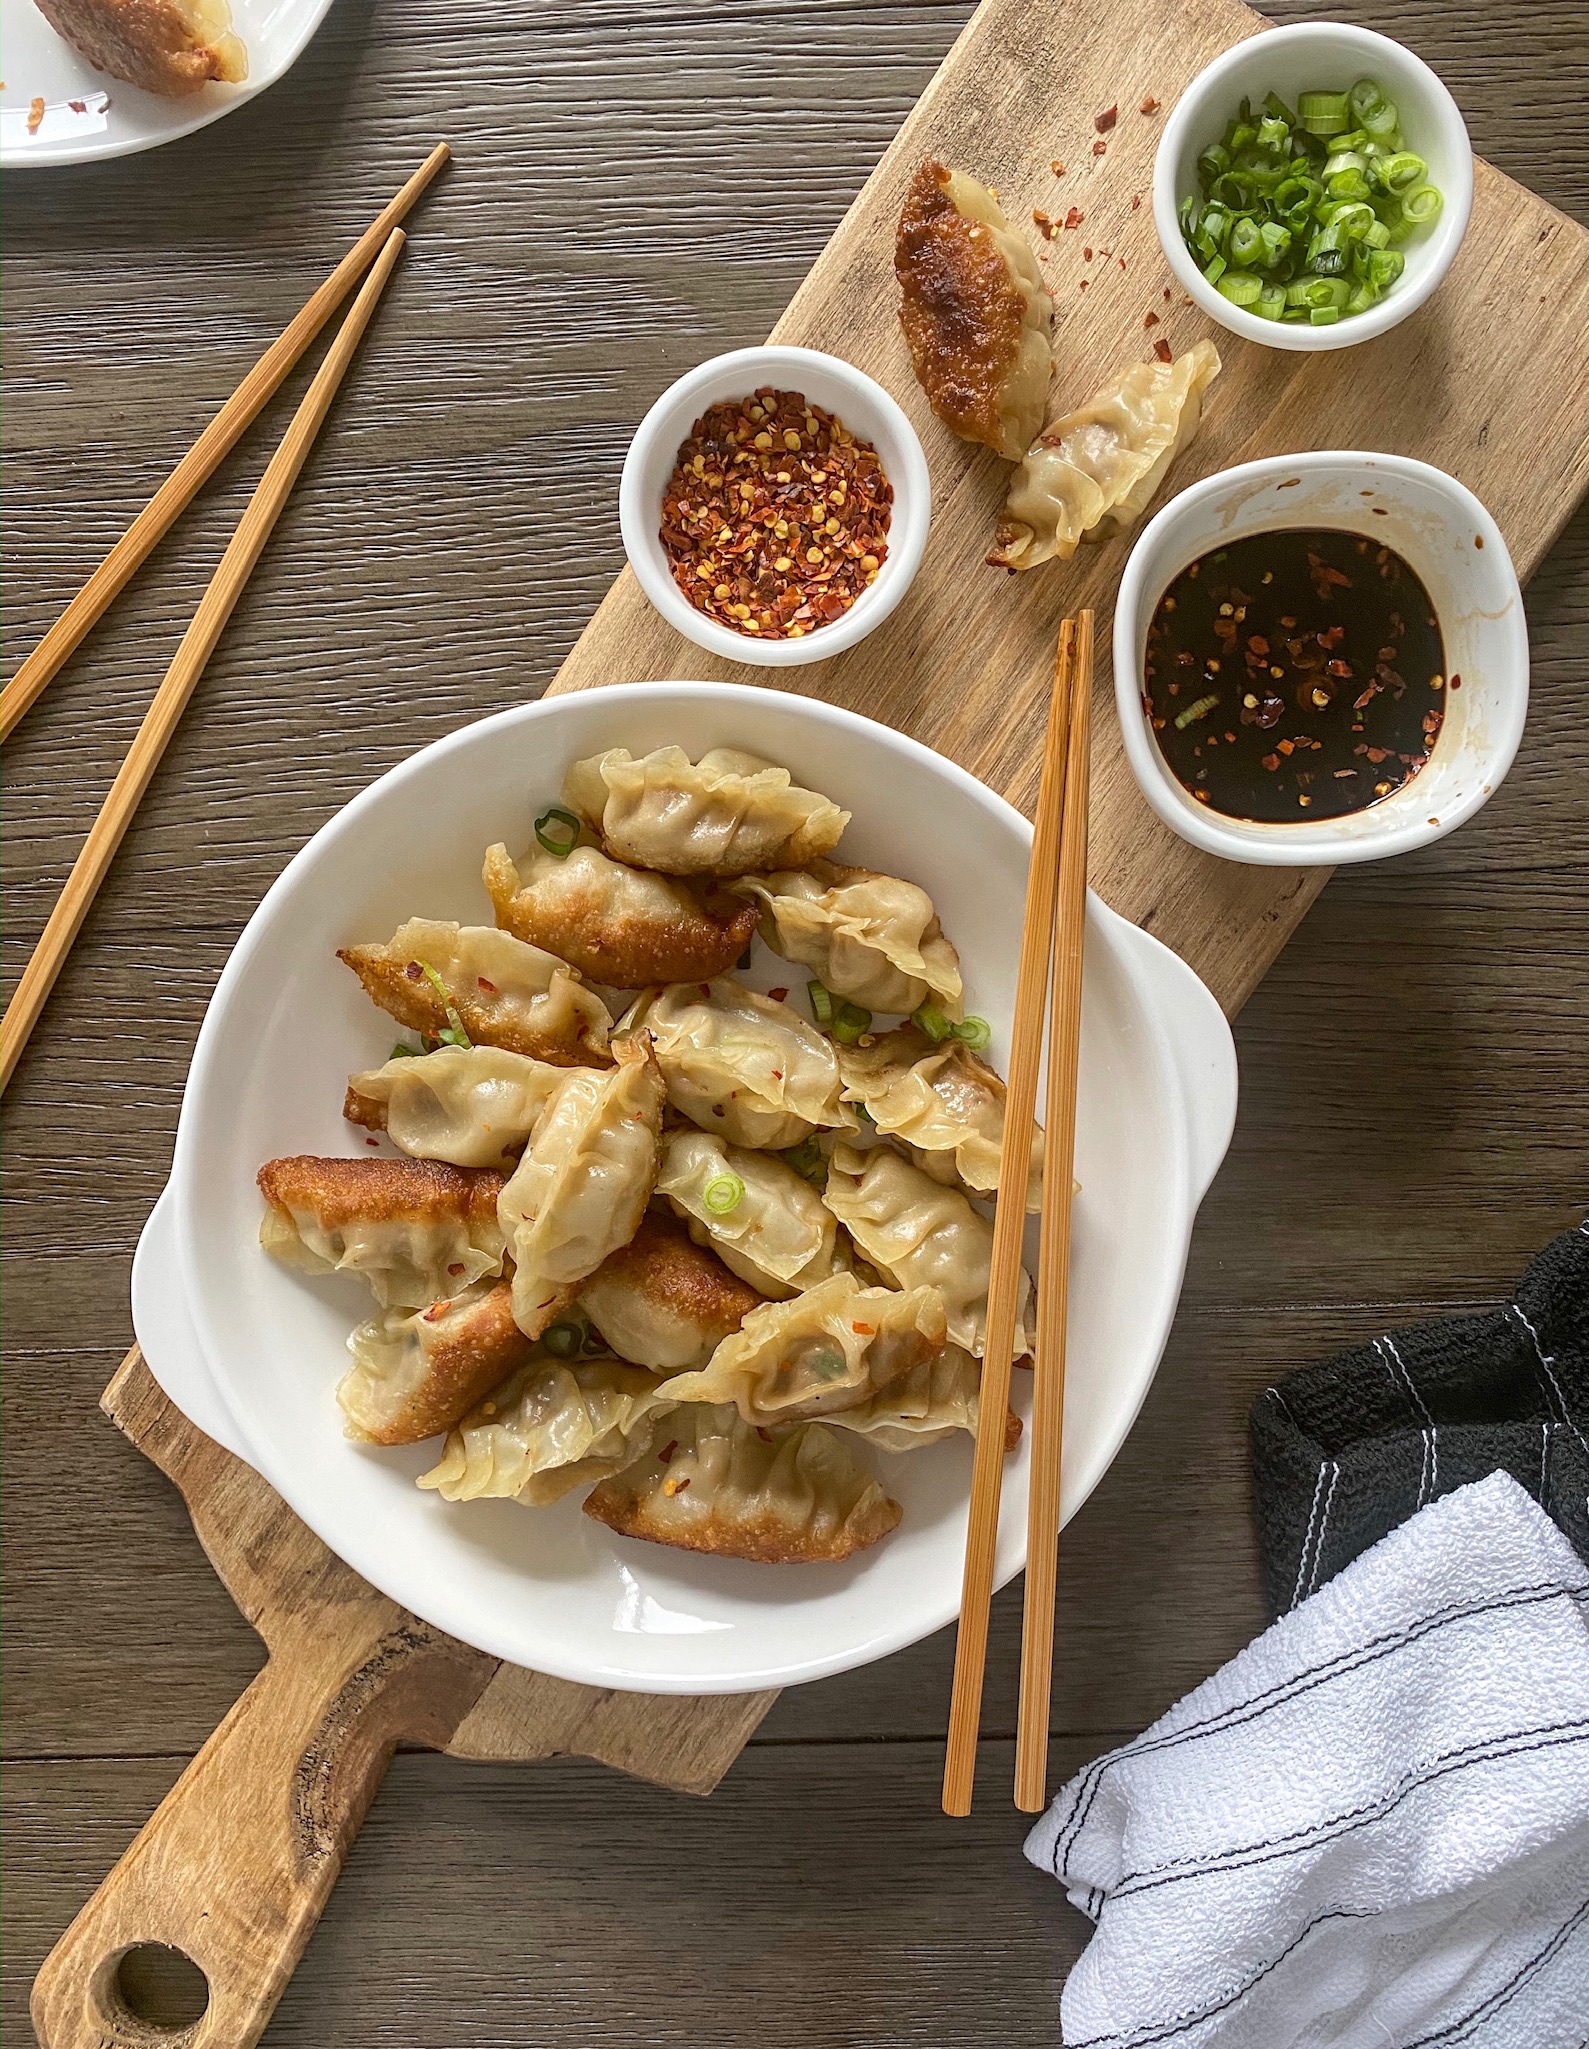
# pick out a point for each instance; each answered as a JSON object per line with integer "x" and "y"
{"x": 723, "y": 1194}
{"x": 558, "y": 831}
{"x": 1319, "y": 197}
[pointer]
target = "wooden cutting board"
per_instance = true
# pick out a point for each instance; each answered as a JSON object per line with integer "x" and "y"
{"x": 1489, "y": 381}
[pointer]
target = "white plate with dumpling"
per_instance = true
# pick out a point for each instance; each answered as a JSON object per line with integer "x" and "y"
{"x": 255, "y": 1350}
{"x": 211, "y": 57}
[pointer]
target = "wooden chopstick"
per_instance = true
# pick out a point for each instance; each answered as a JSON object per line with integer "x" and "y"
{"x": 1053, "y": 1272}
{"x": 207, "y": 453}
{"x": 160, "y": 721}
{"x": 1009, "y": 1224}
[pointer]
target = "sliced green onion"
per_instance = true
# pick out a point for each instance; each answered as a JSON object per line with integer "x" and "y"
{"x": 1240, "y": 287}
{"x": 404, "y": 1051}
{"x": 1276, "y": 107}
{"x": 1270, "y": 303}
{"x": 1384, "y": 267}
{"x": 821, "y": 1003}
{"x": 1420, "y": 206}
{"x": 976, "y": 1033}
{"x": 1365, "y": 98}
{"x": 1273, "y": 133}
{"x": 932, "y": 1020}
{"x": 454, "y": 1035}
{"x": 1212, "y": 162}
{"x": 1325, "y": 316}
{"x": 1246, "y": 243}
{"x": 724, "y": 1192}
{"x": 808, "y": 1159}
{"x": 1198, "y": 709}
{"x": 1401, "y": 173}
{"x": 823, "y": 1358}
{"x": 1215, "y": 271}
{"x": 864, "y": 1114}
{"x": 1323, "y": 113}
{"x": 595, "y": 1345}
{"x": 850, "y": 1022}
{"x": 563, "y": 1339}
{"x": 558, "y": 831}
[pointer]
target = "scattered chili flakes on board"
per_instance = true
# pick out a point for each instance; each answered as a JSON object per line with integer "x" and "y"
{"x": 776, "y": 516}
{"x": 1149, "y": 106}
{"x": 1057, "y": 168}
{"x": 1162, "y": 350}
{"x": 1098, "y": 148}
{"x": 1106, "y": 120}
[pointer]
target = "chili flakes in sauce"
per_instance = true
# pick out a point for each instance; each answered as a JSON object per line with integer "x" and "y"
{"x": 776, "y": 517}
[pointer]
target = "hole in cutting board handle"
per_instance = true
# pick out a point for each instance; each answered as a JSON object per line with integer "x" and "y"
{"x": 160, "y": 1991}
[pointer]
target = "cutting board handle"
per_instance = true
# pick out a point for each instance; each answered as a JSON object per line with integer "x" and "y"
{"x": 238, "y": 1860}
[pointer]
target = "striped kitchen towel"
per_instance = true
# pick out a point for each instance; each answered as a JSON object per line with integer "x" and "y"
{"x": 1368, "y": 1831}
{"x": 1344, "y": 1451}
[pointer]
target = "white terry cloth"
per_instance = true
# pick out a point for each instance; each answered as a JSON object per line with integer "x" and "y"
{"x": 1371, "y": 1829}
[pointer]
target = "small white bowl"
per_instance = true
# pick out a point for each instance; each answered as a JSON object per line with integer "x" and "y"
{"x": 1319, "y": 56}
{"x": 864, "y": 407}
{"x": 1438, "y": 527}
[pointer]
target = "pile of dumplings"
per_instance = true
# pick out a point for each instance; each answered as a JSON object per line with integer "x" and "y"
{"x": 695, "y": 1260}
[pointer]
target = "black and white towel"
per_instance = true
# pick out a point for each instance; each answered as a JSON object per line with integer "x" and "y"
{"x": 1371, "y": 1829}
{"x": 1344, "y": 1451}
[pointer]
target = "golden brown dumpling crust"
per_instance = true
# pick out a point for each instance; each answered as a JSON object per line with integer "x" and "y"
{"x": 473, "y": 1348}
{"x": 968, "y": 318}
{"x": 338, "y": 1192}
{"x": 628, "y": 928}
{"x": 667, "y": 1277}
{"x": 170, "y": 47}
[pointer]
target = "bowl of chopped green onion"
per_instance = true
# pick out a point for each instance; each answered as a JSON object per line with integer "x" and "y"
{"x": 1312, "y": 186}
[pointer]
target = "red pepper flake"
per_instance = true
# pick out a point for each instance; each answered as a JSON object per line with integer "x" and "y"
{"x": 35, "y": 116}
{"x": 1163, "y": 351}
{"x": 1166, "y": 295}
{"x": 437, "y": 1311}
{"x": 1086, "y": 256}
{"x": 1057, "y": 168}
{"x": 1455, "y": 683}
{"x": 776, "y": 516}
{"x": 414, "y": 971}
{"x": 1098, "y": 148}
{"x": 456, "y": 1268}
{"x": 1136, "y": 201}
{"x": 372, "y": 1141}
{"x": 1075, "y": 217}
{"x": 1121, "y": 261}
{"x": 675, "y": 1483}
{"x": 864, "y": 1330}
{"x": 78, "y": 106}
{"x": 1084, "y": 284}
{"x": 1151, "y": 321}
{"x": 489, "y": 987}
{"x": 1271, "y": 762}
{"x": 1106, "y": 120}
{"x": 779, "y": 996}
{"x": 665, "y": 1455}
{"x": 1149, "y": 106}
{"x": 764, "y": 1435}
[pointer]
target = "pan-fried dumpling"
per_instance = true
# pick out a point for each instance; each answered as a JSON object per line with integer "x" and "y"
{"x": 726, "y": 814}
{"x": 742, "y": 1066}
{"x": 831, "y": 1348}
{"x": 974, "y": 309}
{"x": 551, "y": 1427}
{"x": 662, "y": 1302}
{"x": 170, "y": 47}
{"x": 502, "y": 992}
{"x": 942, "y": 1102}
{"x": 468, "y": 1104}
{"x": 871, "y": 938}
{"x": 415, "y": 1229}
{"x": 778, "y": 1234}
{"x": 713, "y": 1483}
{"x": 584, "y": 1181}
{"x": 932, "y": 1400}
{"x": 416, "y": 1371}
{"x": 1091, "y": 473}
{"x": 625, "y": 927}
{"x": 919, "y": 1235}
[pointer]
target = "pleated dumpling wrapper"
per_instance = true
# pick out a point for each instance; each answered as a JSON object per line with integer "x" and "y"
{"x": 741, "y": 1065}
{"x": 920, "y": 1235}
{"x": 553, "y": 1426}
{"x": 831, "y": 1348}
{"x": 758, "y": 1215}
{"x": 872, "y": 939}
{"x": 713, "y": 1482}
{"x": 416, "y": 1371}
{"x": 1092, "y": 472}
{"x": 942, "y": 1102}
{"x": 975, "y": 311}
{"x": 486, "y": 988}
{"x": 470, "y": 1105}
{"x": 584, "y": 1181}
{"x": 416, "y": 1230}
{"x": 727, "y": 814}
{"x": 932, "y": 1401}
{"x": 624, "y": 927}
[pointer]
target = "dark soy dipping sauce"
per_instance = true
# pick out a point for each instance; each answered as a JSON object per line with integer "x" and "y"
{"x": 1324, "y": 656}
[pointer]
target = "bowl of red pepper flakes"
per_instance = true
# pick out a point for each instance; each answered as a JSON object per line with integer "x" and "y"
{"x": 775, "y": 505}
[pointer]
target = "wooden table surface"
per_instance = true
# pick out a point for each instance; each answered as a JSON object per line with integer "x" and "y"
{"x": 640, "y": 184}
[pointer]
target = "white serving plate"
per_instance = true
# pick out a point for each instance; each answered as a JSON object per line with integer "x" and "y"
{"x": 253, "y": 1351}
{"x": 89, "y": 115}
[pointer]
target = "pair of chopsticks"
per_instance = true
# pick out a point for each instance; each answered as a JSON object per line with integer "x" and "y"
{"x": 375, "y": 253}
{"x": 1051, "y": 947}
